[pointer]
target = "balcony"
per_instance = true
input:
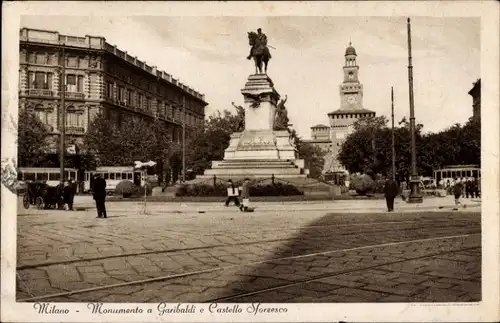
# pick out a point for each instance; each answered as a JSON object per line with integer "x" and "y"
{"x": 74, "y": 95}
{"x": 75, "y": 130}
{"x": 40, "y": 92}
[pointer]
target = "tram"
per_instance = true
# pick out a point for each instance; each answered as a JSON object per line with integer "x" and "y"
{"x": 448, "y": 174}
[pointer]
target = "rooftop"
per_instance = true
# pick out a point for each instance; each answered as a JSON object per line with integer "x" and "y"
{"x": 97, "y": 42}
{"x": 350, "y": 111}
{"x": 319, "y": 126}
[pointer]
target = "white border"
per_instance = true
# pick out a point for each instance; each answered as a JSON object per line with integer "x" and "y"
{"x": 487, "y": 310}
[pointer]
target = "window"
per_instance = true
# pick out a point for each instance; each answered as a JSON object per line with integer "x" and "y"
{"x": 42, "y": 114}
{"x": 79, "y": 85}
{"x": 40, "y": 80}
{"x": 139, "y": 100}
{"x": 129, "y": 176}
{"x": 130, "y": 98}
{"x": 109, "y": 90}
{"x": 71, "y": 83}
{"x": 111, "y": 175}
{"x": 148, "y": 104}
{"x": 121, "y": 94}
{"x": 74, "y": 118}
{"x": 173, "y": 112}
{"x": 41, "y": 59}
{"x": 159, "y": 109}
{"x": 124, "y": 175}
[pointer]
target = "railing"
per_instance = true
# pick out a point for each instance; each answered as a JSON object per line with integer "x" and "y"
{"x": 40, "y": 92}
{"x": 74, "y": 129}
{"x": 75, "y": 95}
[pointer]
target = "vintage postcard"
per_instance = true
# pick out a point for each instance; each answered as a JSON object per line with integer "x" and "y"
{"x": 250, "y": 161}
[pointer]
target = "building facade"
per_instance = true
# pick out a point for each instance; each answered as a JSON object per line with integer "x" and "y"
{"x": 342, "y": 120}
{"x": 99, "y": 78}
{"x": 475, "y": 92}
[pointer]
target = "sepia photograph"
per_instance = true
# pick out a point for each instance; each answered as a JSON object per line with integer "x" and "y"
{"x": 248, "y": 162}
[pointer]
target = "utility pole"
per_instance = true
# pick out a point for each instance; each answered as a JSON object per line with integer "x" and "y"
{"x": 183, "y": 139}
{"x": 62, "y": 124}
{"x": 415, "y": 196}
{"x": 393, "y": 144}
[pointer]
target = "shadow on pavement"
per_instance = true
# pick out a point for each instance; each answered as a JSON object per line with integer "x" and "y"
{"x": 338, "y": 232}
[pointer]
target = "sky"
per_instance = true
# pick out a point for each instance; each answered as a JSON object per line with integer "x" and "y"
{"x": 208, "y": 54}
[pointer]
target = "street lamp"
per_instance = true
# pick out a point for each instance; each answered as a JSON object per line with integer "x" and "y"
{"x": 62, "y": 129}
{"x": 415, "y": 196}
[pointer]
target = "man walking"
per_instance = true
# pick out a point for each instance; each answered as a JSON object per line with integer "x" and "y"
{"x": 457, "y": 191}
{"x": 99, "y": 193}
{"x": 245, "y": 195}
{"x": 391, "y": 190}
{"x": 232, "y": 194}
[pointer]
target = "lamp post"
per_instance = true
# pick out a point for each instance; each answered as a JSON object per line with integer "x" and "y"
{"x": 393, "y": 145}
{"x": 415, "y": 196}
{"x": 183, "y": 139}
{"x": 63, "y": 114}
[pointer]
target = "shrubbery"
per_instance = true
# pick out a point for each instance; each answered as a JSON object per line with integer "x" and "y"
{"x": 277, "y": 189}
{"x": 127, "y": 189}
{"x": 363, "y": 184}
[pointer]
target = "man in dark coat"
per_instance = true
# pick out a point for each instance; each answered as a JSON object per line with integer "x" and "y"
{"x": 391, "y": 190}
{"x": 99, "y": 194}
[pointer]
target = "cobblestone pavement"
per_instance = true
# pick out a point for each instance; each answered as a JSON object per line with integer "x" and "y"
{"x": 293, "y": 252}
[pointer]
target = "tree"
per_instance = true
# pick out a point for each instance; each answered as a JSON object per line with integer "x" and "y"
{"x": 369, "y": 147}
{"x": 32, "y": 142}
{"x": 134, "y": 139}
{"x": 210, "y": 141}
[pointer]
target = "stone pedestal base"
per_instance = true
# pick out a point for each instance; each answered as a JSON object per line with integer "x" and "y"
{"x": 259, "y": 151}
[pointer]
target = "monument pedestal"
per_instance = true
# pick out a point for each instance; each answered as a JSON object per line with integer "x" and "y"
{"x": 259, "y": 151}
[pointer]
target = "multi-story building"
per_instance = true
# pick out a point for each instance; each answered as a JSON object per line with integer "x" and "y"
{"x": 99, "y": 77}
{"x": 342, "y": 120}
{"x": 475, "y": 92}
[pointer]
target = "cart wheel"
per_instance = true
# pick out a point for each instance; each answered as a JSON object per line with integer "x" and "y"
{"x": 39, "y": 203}
{"x": 26, "y": 201}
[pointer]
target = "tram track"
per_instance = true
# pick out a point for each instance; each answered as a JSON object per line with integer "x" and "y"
{"x": 327, "y": 234}
{"x": 255, "y": 263}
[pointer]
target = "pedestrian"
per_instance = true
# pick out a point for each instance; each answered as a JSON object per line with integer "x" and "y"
{"x": 391, "y": 190}
{"x": 99, "y": 194}
{"x": 467, "y": 188}
{"x": 232, "y": 194}
{"x": 67, "y": 193}
{"x": 457, "y": 191}
{"x": 245, "y": 195}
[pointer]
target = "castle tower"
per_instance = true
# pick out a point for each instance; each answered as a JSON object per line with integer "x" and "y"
{"x": 351, "y": 107}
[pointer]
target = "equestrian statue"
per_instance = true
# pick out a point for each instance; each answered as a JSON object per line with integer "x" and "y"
{"x": 259, "y": 51}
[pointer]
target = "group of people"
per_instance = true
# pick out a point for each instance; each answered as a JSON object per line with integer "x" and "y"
{"x": 67, "y": 191}
{"x": 470, "y": 186}
{"x": 234, "y": 192}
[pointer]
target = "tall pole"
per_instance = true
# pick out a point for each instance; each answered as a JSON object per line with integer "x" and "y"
{"x": 393, "y": 147}
{"x": 183, "y": 139}
{"x": 415, "y": 196}
{"x": 62, "y": 125}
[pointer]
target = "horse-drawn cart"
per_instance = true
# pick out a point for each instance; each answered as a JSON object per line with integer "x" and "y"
{"x": 43, "y": 196}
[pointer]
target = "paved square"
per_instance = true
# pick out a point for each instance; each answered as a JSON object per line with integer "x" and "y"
{"x": 336, "y": 251}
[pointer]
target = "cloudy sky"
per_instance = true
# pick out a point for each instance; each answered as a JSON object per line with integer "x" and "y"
{"x": 208, "y": 54}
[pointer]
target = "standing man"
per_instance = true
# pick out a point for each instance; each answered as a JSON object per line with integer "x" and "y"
{"x": 391, "y": 190}
{"x": 99, "y": 193}
{"x": 245, "y": 195}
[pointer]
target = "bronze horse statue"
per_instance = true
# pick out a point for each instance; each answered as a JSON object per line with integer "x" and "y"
{"x": 259, "y": 52}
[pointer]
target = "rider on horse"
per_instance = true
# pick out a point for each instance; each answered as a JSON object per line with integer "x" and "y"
{"x": 260, "y": 46}
{"x": 259, "y": 51}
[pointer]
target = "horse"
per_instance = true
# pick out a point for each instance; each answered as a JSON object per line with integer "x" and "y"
{"x": 259, "y": 52}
